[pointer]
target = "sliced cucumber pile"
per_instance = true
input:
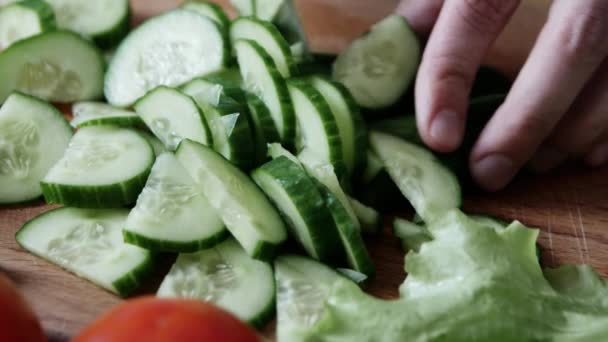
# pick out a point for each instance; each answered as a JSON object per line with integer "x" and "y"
{"x": 103, "y": 166}
{"x": 172, "y": 214}
{"x": 99, "y": 113}
{"x": 226, "y": 276}
{"x": 24, "y": 19}
{"x": 368, "y": 67}
{"x": 104, "y": 21}
{"x": 169, "y": 50}
{"x": 209, "y": 10}
{"x": 88, "y": 243}
{"x": 33, "y": 137}
{"x": 58, "y": 66}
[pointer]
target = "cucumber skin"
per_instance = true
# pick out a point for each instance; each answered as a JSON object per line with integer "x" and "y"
{"x": 46, "y": 15}
{"x": 329, "y": 124}
{"x": 263, "y": 126}
{"x": 241, "y": 141}
{"x": 126, "y": 122}
{"x": 217, "y": 9}
{"x": 294, "y": 180}
{"x": 114, "y": 36}
{"x": 280, "y": 87}
{"x": 156, "y": 245}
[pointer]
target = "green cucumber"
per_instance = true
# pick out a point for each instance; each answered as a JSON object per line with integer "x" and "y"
{"x": 57, "y": 66}
{"x": 89, "y": 243}
{"x": 209, "y": 10}
{"x": 261, "y": 78}
{"x": 353, "y": 133}
{"x": 157, "y": 146}
{"x": 412, "y": 235}
{"x": 24, "y": 19}
{"x": 297, "y": 198}
{"x": 369, "y": 218}
{"x": 318, "y": 128}
{"x": 263, "y": 126}
{"x": 103, "y": 167}
{"x": 246, "y": 212}
{"x": 33, "y": 136}
{"x": 172, "y": 214}
{"x": 168, "y": 50}
{"x": 98, "y": 113}
{"x": 269, "y": 38}
{"x": 284, "y": 15}
{"x": 430, "y": 187}
{"x": 104, "y": 21}
{"x": 275, "y": 150}
{"x": 368, "y": 67}
{"x": 228, "y": 121}
{"x": 227, "y": 277}
{"x": 173, "y": 116}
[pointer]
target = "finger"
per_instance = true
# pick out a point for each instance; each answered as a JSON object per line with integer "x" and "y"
{"x": 582, "y": 126}
{"x": 461, "y": 37}
{"x": 421, "y": 15}
{"x": 569, "y": 50}
{"x": 599, "y": 153}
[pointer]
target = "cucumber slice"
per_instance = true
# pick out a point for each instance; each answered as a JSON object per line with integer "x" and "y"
{"x": 372, "y": 168}
{"x": 33, "y": 136}
{"x": 156, "y": 144}
{"x": 98, "y": 113}
{"x": 89, "y": 243}
{"x": 412, "y": 235}
{"x": 104, "y": 21}
{"x": 369, "y": 65}
{"x": 172, "y": 214}
{"x": 431, "y": 188}
{"x": 269, "y": 38}
{"x": 244, "y": 7}
{"x": 246, "y": 212}
{"x": 263, "y": 127}
{"x": 369, "y": 218}
{"x": 24, "y": 19}
{"x": 317, "y": 125}
{"x": 261, "y": 78}
{"x": 173, "y": 116}
{"x": 303, "y": 285}
{"x": 169, "y": 50}
{"x": 295, "y": 194}
{"x": 103, "y": 167}
{"x": 351, "y": 126}
{"x": 57, "y": 66}
{"x": 284, "y": 15}
{"x": 209, "y": 10}
{"x": 228, "y": 121}
{"x": 226, "y": 276}
{"x": 275, "y": 150}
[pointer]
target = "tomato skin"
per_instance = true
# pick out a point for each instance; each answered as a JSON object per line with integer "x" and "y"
{"x": 18, "y": 323}
{"x": 167, "y": 320}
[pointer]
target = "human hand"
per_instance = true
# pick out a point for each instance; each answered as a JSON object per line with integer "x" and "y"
{"x": 558, "y": 107}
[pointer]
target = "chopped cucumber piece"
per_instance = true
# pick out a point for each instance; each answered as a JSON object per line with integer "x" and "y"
{"x": 247, "y": 213}
{"x": 275, "y": 150}
{"x": 369, "y": 218}
{"x": 98, "y": 113}
{"x": 295, "y": 194}
{"x": 209, "y": 10}
{"x": 373, "y": 167}
{"x": 303, "y": 285}
{"x": 173, "y": 116}
{"x": 227, "y": 277}
{"x": 412, "y": 235}
{"x": 89, "y": 243}
{"x": 351, "y": 126}
{"x": 431, "y": 188}
{"x": 24, "y": 19}
{"x": 57, "y": 66}
{"x": 261, "y": 78}
{"x": 269, "y": 38}
{"x": 263, "y": 127}
{"x": 105, "y": 21}
{"x": 172, "y": 214}
{"x": 33, "y": 136}
{"x": 169, "y": 50}
{"x": 156, "y": 144}
{"x": 380, "y": 66}
{"x": 228, "y": 121}
{"x": 103, "y": 167}
{"x": 317, "y": 125}
{"x": 284, "y": 15}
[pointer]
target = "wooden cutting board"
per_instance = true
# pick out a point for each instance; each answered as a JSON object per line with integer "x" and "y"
{"x": 570, "y": 206}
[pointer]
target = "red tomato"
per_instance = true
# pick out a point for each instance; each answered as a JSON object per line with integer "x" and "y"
{"x": 18, "y": 322}
{"x": 167, "y": 320}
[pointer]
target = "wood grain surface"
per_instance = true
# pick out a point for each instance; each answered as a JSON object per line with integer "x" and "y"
{"x": 570, "y": 206}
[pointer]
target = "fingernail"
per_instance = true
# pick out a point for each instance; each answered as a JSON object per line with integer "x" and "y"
{"x": 493, "y": 172}
{"x": 598, "y": 156}
{"x": 445, "y": 129}
{"x": 546, "y": 158}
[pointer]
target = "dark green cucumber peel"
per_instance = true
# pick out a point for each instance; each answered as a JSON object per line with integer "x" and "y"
{"x": 265, "y": 130}
{"x": 113, "y": 37}
{"x": 126, "y": 122}
{"x": 134, "y": 279}
{"x": 241, "y": 139}
{"x": 173, "y": 246}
